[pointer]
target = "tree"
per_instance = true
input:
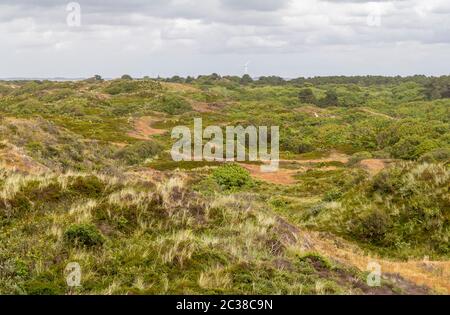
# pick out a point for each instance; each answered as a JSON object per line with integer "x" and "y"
{"x": 307, "y": 96}
{"x": 438, "y": 88}
{"x": 98, "y": 77}
{"x": 331, "y": 99}
{"x": 126, "y": 77}
{"x": 246, "y": 79}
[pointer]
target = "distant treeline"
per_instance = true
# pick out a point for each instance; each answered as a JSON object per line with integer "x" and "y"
{"x": 434, "y": 87}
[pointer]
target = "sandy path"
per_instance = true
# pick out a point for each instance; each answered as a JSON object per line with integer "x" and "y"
{"x": 333, "y": 157}
{"x": 369, "y": 111}
{"x": 286, "y": 176}
{"x": 281, "y": 177}
{"x": 374, "y": 166}
{"x": 143, "y": 130}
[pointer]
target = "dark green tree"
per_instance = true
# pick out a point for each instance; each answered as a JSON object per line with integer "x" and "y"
{"x": 246, "y": 79}
{"x": 307, "y": 96}
{"x": 330, "y": 99}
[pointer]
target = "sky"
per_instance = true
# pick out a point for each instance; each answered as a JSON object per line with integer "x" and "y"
{"x": 288, "y": 38}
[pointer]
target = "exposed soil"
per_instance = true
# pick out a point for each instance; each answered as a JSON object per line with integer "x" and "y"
{"x": 280, "y": 177}
{"x": 333, "y": 157}
{"x": 13, "y": 158}
{"x": 313, "y": 111}
{"x": 286, "y": 176}
{"x": 369, "y": 111}
{"x": 202, "y": 107}
{"x": 374, "y": 166}
{"x": 143, "y": 130}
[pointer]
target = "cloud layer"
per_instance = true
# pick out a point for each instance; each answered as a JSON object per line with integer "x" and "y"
{"x": 284, "y": 37}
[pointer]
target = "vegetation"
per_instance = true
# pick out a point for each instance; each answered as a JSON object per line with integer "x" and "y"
{"x": 86, "y": 176}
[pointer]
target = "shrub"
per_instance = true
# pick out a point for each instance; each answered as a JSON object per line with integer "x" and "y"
{"x": 231, "y": 176}
{"x": 174, "y": 105}
{"x": 89, "y": 185}
{"x": 405, "y": 206}
{"x": 371, "y": 226}
{"x": 359, "y": 156}
{"x": 332, "y": 195}
{"x": 139, "y": 152}
{"x": 307, "y": 96}
{"x": 83, "y": 235}
{"x": 438, "y": 155}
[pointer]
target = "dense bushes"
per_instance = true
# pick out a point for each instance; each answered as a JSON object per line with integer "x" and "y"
{"x": 139, "y": 152}
{"x": 174, "y": 105}
{"x": 406, "y": 207}
{"x": 231, "y": 176}
{"x": 83, "y": 235}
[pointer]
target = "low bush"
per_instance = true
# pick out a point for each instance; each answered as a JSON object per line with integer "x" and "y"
{"x": 231, "y": 176}
{"x": 83, "y": 235}
{"x": 405, "y": 207}
{"x": 138, "y": 152}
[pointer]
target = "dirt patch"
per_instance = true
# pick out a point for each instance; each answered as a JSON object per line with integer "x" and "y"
{"x": 204, "y": 107}
{"x": 374, "y": 166}
{"x": 201, "y": 107}
{"x": 15, "y": 159}
{"x": 143, "y": 130}
{"x": 369, "y": 111}
{"x": 333, "y": 157}
{"x": 286, "y": 176}
{"x": 280, "y": 177}
{"x": 315, "y": 112}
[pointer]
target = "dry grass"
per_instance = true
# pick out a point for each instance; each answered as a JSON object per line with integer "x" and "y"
{"x": 433, "y": 274}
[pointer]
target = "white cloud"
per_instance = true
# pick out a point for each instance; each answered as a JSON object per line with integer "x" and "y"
{"x": 135, "y": 34}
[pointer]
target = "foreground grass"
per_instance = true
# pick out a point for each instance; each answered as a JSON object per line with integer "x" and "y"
{"x": 134, "y": 237}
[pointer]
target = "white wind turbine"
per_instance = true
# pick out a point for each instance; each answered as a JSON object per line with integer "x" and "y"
{"x": 246, "y": 67}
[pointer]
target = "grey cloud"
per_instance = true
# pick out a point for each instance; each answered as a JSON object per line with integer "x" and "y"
{"x": 140, "y": 29}
{"x": 255, "y": 5}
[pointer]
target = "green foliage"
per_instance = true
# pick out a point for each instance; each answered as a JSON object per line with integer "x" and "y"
{"x": 330, "y": 99}
{"x": 231, "y": 176}
{"x": 307, "y": 96}
{"x": 359, "y": 156}
{"x": 438, "y": 88}
{"x": 138, "y": 152}
{"x": 174, "y": 105}
{"x": 126, "y": 77}
{"x": 403, "y": 208}
{"x": 441, "y": 155}
{"x": 83, "y": 235}
{"x": 157, "y": 237}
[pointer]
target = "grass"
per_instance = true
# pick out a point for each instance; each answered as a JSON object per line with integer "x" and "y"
{"x": 76, "y": 187}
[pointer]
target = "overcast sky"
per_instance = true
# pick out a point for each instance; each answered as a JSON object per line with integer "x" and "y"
{"x": 290, "y": 38}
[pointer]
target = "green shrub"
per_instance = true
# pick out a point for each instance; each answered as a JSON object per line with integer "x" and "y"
{"x": 231, "y": 176}
{"x": 405, "y": 206}
{"x": 332, "y": 195}
{"x": 90, "y": 186}
{"x": 83, "y": 235}
{"x": 359, "y": 156}
{"x": 174, "y": 105}
{"x": 138, "y": 152}
{"x": 436, "y": 156}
